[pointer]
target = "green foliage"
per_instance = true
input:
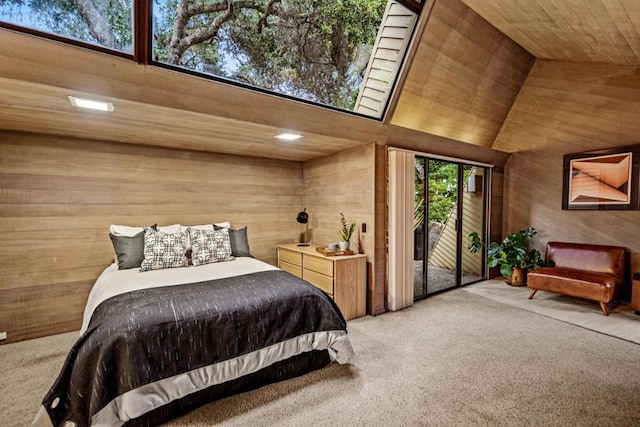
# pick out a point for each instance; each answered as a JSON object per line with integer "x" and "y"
{"x": 346, "y": 229}
{"x": 302, "y": 48}
{"x": 442, "y": 182}
{"x": 443, "y": 189}
{"x": 512, "y": 253}
{"x": 120, "y": 18}
{"x": 63, "y": 17}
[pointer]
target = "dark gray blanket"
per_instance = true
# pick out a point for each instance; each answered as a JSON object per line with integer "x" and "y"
{"x": 146, "y": 335}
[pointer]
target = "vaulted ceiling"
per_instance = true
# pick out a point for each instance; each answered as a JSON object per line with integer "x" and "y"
{"x": 37, "y": 75}
{"x": 572, "y": 30}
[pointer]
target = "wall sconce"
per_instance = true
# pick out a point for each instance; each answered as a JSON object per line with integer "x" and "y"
{"x": 474, "y": 184}
{"x": 303, "y": 218}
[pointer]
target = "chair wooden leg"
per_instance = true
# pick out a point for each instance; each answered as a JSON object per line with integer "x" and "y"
{"x": 603, "y": 306}
{"x": 533, "y": 292}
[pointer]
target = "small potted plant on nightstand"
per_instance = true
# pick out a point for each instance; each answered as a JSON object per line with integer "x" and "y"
{"x": 345, "y": 232}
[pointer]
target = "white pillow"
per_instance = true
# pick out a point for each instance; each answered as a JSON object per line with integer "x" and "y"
{"x": 225, "y": 224}
{"x": 125, "y": 230}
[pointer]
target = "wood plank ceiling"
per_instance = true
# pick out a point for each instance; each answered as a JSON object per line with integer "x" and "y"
{"x": 25, "y": 106}
{"x": 573, "y": 30}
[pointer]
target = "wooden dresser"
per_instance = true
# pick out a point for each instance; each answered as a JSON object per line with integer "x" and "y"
{"x": 344, "y": 278}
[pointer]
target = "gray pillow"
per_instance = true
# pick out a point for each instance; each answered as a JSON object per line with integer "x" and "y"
{"x": 239, "y": 241}
{"x": 129, "y": 250}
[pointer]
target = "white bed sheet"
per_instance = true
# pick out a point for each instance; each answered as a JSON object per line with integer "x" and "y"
{"x": 114, "y": 282}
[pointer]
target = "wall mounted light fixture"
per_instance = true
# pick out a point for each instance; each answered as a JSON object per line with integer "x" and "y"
{"x": 303, "y": 218}
{"x": 474, "y": 184}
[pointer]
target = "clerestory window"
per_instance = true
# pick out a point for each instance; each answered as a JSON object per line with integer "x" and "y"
{"x": 104, "y": 24}
{"x": 342, "y": 54}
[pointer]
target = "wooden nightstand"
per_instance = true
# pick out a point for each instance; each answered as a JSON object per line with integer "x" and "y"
{"x": 344, "y": 278}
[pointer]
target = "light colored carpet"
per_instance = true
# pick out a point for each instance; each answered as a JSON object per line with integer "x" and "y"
{"x": 452, "y": 359}
{"x": 622, "y": 321}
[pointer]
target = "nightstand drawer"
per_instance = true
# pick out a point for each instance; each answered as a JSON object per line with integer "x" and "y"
{"x": 293, "y": 269}
{"x": 291, "y": 257}
{"x": 323, "y": 282}
{"x": 317, "y": 264}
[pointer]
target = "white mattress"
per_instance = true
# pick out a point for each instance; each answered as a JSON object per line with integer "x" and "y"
{"x": 113, "y": 282}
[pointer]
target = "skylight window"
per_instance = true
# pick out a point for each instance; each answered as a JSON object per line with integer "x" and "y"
{"x": 102, "y": 23}
{"x": 340, "y": 54}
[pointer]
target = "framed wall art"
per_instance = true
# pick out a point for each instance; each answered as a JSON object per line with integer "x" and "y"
{"x": 601, "y": 180}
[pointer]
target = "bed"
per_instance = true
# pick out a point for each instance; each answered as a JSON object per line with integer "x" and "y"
{"x": 157, "y": 344}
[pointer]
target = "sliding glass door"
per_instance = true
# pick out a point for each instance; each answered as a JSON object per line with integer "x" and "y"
{"x": 450, "y": 202}
{"x": 441, "y": 192}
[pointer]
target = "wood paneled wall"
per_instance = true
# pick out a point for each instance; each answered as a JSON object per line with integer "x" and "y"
{"x": 568, "y": 107}
{"x": 463, "y": 78}
{"x": 343, "y": 182}
{"x": 59, "y": 196}
{"x": 496, "y": 207}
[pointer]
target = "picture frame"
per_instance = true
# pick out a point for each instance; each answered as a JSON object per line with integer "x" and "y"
{"x": 601, "y": 180}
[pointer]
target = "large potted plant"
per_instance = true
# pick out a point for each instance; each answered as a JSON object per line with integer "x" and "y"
{"x": 512, "y": 255}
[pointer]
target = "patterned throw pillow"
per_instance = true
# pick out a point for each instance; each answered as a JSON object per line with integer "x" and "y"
{"x": 209, "y": 246}
{"x": 163, "y": 250}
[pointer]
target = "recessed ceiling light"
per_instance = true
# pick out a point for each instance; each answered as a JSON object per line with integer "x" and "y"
{"x": 90, "y": 104}
{"x": 289, "y": 136}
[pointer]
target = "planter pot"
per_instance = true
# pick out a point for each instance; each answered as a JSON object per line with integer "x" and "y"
{"x": 344, "y": 246}
{"x": 518, "y": 277}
